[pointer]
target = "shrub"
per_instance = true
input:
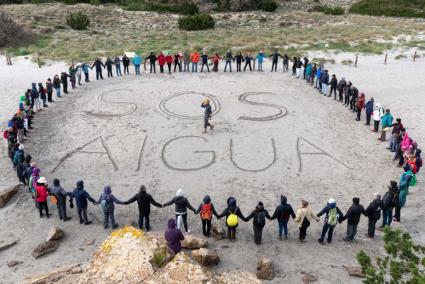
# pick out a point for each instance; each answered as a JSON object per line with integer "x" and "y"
{"x": 95, "y": 2}
{"x": 188, "y": 8}
{"x": 12, "y": 33}
{"x": 184, "y": 8}
{"x": 328, "y": 10}
{"x": 196, "y": 22}
{"x": 268, "y": 5}
{"x": 390, "y": 8}
{"x": 70, "y": 2}
{"x": 78, "y": 21}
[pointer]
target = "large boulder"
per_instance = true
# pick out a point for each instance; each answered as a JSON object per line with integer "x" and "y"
{"x": 218, "y": 231}
{"x": 192, "y": 242}
{"x": 205, "y": 257}
{"x": 126, "y": 256}
{"x": 182, "y": 269}
{"x": 44, "y": 248}
{"x": 236, "y": 276}
{"x": 264, "y": 268}
{"x": 55, "y": 234}
{"x": 6, "y": 193}
{"x": 59, "y": 274}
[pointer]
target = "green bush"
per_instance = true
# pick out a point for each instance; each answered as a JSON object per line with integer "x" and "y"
{"x": 328, "y": 10}
{"x": 78, "y": 21}
{"x": 268, "y": 5}
{"x": 390, "y": 8}
{"x": 95, "y": 2}
{"x": 70, "y": 2}
{"x": 184, "y": 8}
{"x": 196, "y": 22}
{"x": 188, "y": 8}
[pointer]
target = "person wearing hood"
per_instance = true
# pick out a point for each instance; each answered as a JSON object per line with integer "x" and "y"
{"x": 126, "y": 64}
{"x": 161, "y": 62}
{"x": 173, "y": 236}
{"x": 404, "y": 184}
{"x": 232, "y": 212}
{"x": 18, "y": 162}
{"x": 260, "y": 59}
{"x": 353, "y": 218}
{"x": 378, "y": 112}
{"x": 228, "y": 57}
{"x": 360, "y": 104}
{"x": 259, "y": 216}
{"x": 144, "y": 201}
{"x": 386, "y": 122}
{"x": 35, "y": 175}
{"x": 137, "y": 61}
{"x": 332, "y": 215}
{"x": 64, "y": 81}
{"x": 206, "y": 210}
{"x": 60, "y": 198}
{"x": 369, "y": 110}
{"x": 41, "y": 195}
{"x": 181, "y": 206}
{"x": 204, "y": 61}
{"x": 282, "y": 214}
{"x": 389, "y": 201}
{"x": 35, "y": 97}
{"x": 107, "y": 201}
{"x": 373, "y": 213}
{"x": 81, "y": 196}
{"x": 342, "y": 84}
{"x": 303, "y": 217}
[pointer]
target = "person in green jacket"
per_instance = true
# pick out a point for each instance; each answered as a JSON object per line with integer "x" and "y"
{"x": 386, "y": 121}
{"x": 404, "y": 184}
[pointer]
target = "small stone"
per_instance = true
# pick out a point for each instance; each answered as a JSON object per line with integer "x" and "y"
{"x": 264, "y": 268}
{"x": 205, "y": 257}
{"x": 355, "y": 271}
{"x": 89, "y": 242}
{"x": 191, "y": 242}
{"x": 44, "y": 248}
{"x": 218, "y": 231}
{"x": 13, "y": 263}
{"x": 308, "y": 278}
{"x": 7, "y": 193}
{"x": 55, "y": 234}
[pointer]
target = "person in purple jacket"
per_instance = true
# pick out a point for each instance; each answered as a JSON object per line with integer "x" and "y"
{"x": 173, "y": 236}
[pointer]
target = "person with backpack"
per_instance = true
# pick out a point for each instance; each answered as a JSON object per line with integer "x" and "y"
{"x": 282, "y": 214}
{"x": 59, "y": 198}
{"x": 173, "y": 236}
{"x": 406, "y": 179}
{"x": 333, "y": 214}
{"x": 41, "y": 195}
{"x": 373, "y": 213}
{"x": 353, "y": 218}
{"x": 144, "y": 201}
{"x": 206, "y": 210}
{"x": 81, "y": 196}
{"x": 259, "y": 216}
{"x": 181, "y": 206}
{"x": 107, "y": 201}
{"x": 232, "y": 213}
{"x": 228, "y": 57}
{"x": 303, "y": 217}
{"x": 389, "y": 201}
{"x": 18, "y": 162}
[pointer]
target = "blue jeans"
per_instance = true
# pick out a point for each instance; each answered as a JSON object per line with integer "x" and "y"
{"x": 387, "y": 217}
{"x": 58, "y": 92}
{"x": 194, "y": 67}
{"x": 260, "y": 66}
{"x": 283, "y": 226}
{"x": 137, "y": 69}
{"x": 327, "y": 229}
{"x": 228, "y": 63}
{"x": 186, "y": 67}
{"x": 118, "y": 69}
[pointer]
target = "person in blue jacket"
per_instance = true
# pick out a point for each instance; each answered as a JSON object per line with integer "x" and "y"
{"x": 137, "y": 61}
{"x": 85, "y": 68}
{"x": 107, "y": 201}
{"x": 369, "y": 110}
{"x": 386, "y": 121}
{"x": 317, "y": 78}
{"x": 81, "y": 196}
{"x": 260, "y": 58}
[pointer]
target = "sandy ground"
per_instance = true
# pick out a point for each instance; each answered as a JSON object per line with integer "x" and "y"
{"x": 140, "y": 133}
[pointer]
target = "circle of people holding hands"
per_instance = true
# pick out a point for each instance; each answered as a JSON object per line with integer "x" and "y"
{"x": 405, "y": 149}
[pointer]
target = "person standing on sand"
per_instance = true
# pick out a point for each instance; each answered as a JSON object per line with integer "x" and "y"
{"x": 275, "y": 58}
{"x": 342, "y": 84}
{"x": 43, "y": 94}
{"x": 206, "y": 210}
{"x": 360, "y": 104}
{"x": 378, "y": 112}
{"x": 79, "y": 73}
{"x": 72, "y": 75}
{"x": 259, "y": 216}
{"x": 260, "y": 59}
{"x": 126, "y": 63}
{"x": 285, "y": 62}
{"x": 107, "y": 201}
{"x": 137, "y": 61}
{"x": 49, "y": 87}
{"x": 353, "y": 218}
{"x": 181, "y": 206}
{"x": 403, "y": 191}
{"x": 194, "y": 58}
{"x": 239, "y": 59}
{"x": 333, "y": 84}
{"x": 144, "y": 201}
{"x": 169, "y": 60}
{"x": 369, "y": 110}
{"x": 232, "y": 212}
{"x": 216, "y": 60}
{"x": 41, "y": 195}
{"x": 161, "y": 62}
{"x": 108, "y": 65}
{"x": 98, "y": 64}
{"x": 303, "y": 217}
{"x": 177, "y": 61}
{"x": 173, "y": 236}
{"x": 186, "y": 61}
{"x": 117, "y": 62}
{"x": 389, "y": 201}
{"x": 204, "y": 59}
{"x": 325, "y": 82}
{"x": 207, "y": 114}
{"x": 248, "y": 58}
{"x": 60, "y": 195}
{"x": 386, "y": 122}
{"x": 64, "y": 81}
{"x": 282, "y": 214}
{"x": 81, "y": 196}
{"x": 333, "y": 214}
{"x": 229, "y": 58}
{"x": 85, "y": 68}
{"x": 373, "y": 213}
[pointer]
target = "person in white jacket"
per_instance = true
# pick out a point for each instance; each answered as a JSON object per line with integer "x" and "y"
{"x": 378, "y": 112}
{"x": 303, "y": 217}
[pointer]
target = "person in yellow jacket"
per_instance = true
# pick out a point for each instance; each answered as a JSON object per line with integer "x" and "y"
{"x": 303, "y": 217}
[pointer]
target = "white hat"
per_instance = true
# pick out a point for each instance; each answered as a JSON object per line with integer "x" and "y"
{"x": 331, "y": 201}
{"x": 21, "y": 147}
{"x": 179, "y": 192}
{"x": 42, "y": 180}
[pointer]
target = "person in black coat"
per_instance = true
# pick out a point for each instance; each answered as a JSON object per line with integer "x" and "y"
{"x": 144, "y": 201}
{"x": 238, "y": 58}
{"x": 389, "y": 201}
{"x": 108, "y": 65}
{"x": 282, "y": 214}
{"x": 353, "y": 218}
{"x": 333, "y": 214}
{"x": 248, "y": 58}
{"x": 334, "y": 84}
{"x": 81, "y": 196}
{"x": 259, "y": 214}
{"x": 60, "y": 195}
{"x": 152, "y": 59}
{"x": 206, "y": 210}
{"x": 275, "y": 58}
{"x": 373, "y": 213}
{"x": 98, "y": 64}
{"x": 64, "y": 81}
{"x": 181, "y": 206}
{"x": 126, "y": 63}
{"x": 232, "y": 208}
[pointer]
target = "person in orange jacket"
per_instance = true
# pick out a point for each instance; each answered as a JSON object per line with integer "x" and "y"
{"x": 161, "y": 62}
{"x": 169, "y": 60}
{"x": 360, "y": 105}
{"x": 194, "y": 58}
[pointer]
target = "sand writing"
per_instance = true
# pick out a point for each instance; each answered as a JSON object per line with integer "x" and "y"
{"x": 101, "y": 98}
{"x": 253, "y": 170}
{"x": 243, "y": 98}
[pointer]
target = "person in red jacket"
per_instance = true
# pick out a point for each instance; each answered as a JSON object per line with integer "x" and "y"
{"x": 161, "y": 62}
{"x": 41, "y": 196}
{"x": 360, "y": 105}
{"x": 216, "y": 60}
{"x": 169, "y": 60}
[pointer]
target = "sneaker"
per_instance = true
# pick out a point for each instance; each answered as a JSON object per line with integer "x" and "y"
{"x": 81, "y": 221}
{"x": 188, "y": 231}
{"x": 115, "y": 226}
{"x": 88, "y": 223}
{"x": 321, "y": 241}
{"x": 105, "y": 226}
{"x": 286, "y": 237}
{"x": 329, "y": 241}
{"x": 67, "y": 219}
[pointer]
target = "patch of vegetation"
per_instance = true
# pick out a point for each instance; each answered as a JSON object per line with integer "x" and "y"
{"x": 11, "y": 33}
{"x": 22, "y": 51}
{"x": 347, "y": 62}
{"x": 159, "y": 257}
{"x": 404, "y": 262}
{"x": 196, "y": 22}
{"x": 400, "y": 56}
{"x": 268, "y": 5}
{"x": 390, "y": 8}
{"x": 328, "y": 10}
{"x": 184, "y": 8}
{"x": 78, "y": 20}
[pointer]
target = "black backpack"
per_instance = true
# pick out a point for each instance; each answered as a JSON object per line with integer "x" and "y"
{"x": 260, "y": 218}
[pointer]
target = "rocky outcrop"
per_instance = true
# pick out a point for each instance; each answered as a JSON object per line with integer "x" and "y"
{"x": 236, "y": 276}
{"x": 6, "y": 193}
{"x": 192, "y": 242}
{"x": 217, "y": 231}
{"x": 264, "y": 268}
{"x": 59, "y": 274}
{"x": 205, "y": 257}
{"x": 55, "y": 234}
{"x": 44, "y": 248}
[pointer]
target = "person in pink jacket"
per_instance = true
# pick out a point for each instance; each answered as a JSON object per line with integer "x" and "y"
{"x": 41, "y": 195}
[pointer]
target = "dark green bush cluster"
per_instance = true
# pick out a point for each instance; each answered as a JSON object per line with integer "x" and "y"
{"x": 184, "y": 8}
{"x": 390, "y": 8}
{"x": 328, "y": 10}
{"x": 78, "y": 20}
{"x": 196, "y": 22}
{"x": 268, "y": 5}
{"x": 11, "y": 33}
